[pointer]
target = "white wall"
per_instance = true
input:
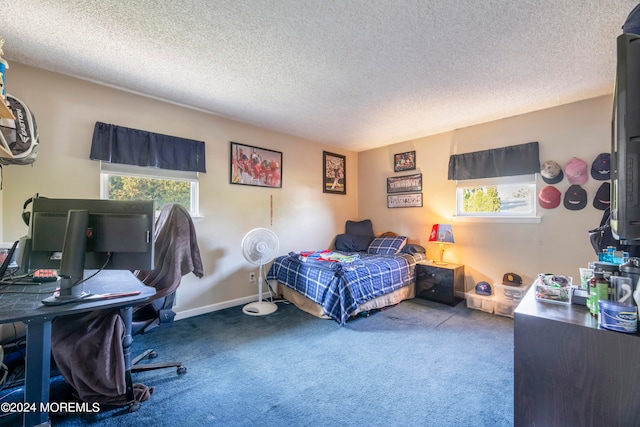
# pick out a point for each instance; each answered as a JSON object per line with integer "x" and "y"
{"x": 558, "y": 244}
{"x": 66, "y": 110}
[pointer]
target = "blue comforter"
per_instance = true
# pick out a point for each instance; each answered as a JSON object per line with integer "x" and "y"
{"x": 340, "y": 287}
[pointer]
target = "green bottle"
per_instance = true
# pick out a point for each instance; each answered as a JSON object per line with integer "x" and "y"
{"x": 598, "y": 290}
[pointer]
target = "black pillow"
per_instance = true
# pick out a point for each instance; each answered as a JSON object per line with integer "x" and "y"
{"x": 411, "y": 248}
{"x": 352, "y": 242}
{"x": 359, "y": 228}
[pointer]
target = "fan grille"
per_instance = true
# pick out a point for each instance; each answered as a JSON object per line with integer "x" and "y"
{"x": 260, "y": 246}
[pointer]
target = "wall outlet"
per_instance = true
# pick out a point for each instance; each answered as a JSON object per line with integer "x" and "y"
{"x": 252, "y": 277}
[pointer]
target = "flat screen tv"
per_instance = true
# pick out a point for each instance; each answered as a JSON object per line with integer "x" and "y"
{"x": 625, "y": 142}
{"x": 72, "y": 235}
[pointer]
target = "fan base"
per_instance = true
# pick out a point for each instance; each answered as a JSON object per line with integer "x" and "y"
{"x": 259, "y": 308}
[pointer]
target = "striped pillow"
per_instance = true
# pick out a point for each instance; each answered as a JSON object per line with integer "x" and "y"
{"x": 387, "y": 245}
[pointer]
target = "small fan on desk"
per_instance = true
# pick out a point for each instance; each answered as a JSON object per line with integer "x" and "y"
{"x": 260, "y": 246}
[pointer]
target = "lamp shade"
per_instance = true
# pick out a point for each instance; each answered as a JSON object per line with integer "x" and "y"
{"x": 442, "y": 233}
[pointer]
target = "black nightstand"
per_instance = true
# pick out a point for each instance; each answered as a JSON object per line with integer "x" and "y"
{"x": 440, "y": 282}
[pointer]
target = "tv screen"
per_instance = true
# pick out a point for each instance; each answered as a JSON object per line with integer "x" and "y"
{"x": 625, "y": 142}
{"x": 74, "y": 235}
{"x": 119, "y": 234}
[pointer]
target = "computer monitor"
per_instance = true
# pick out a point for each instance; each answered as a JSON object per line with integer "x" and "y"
{"x": 625, "y": 142}
{"x": 72, "y": 235}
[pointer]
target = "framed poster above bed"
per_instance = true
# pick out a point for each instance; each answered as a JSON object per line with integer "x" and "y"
{"x": 403, "y": 184}
{"x": 334, "y": 173}
{"x": 404, "y": 161}
{"x": 256, "y": 166}
{"x": 413, "y": 200}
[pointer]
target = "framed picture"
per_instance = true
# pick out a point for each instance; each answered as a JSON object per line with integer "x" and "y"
{"x": 251, "y": 165}
{"x": 413, "y": 200}
{"x": 404, "y": 161}
{"x": 334, "y": 173}
{"x": 403, "y": 184}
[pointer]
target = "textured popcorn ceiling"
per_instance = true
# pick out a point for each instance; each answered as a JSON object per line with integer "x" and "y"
{"x": 356, "y": 74}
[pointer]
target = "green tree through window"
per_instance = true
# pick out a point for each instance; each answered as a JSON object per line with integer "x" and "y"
{"x": 481, "y": 199}
{"x": 163, "y": 191}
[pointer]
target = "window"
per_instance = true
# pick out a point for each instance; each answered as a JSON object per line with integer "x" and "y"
{"x": 504, "y": 197}
{"x": 126, "y": 182}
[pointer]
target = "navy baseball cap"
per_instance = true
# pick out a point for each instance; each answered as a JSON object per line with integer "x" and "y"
{"x": 601, "y": 167}
{"x": 483, "y": 288}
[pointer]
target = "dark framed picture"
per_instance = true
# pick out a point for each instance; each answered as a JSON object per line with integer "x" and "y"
{"x": 403, "y": 184}
{"x": 256, "y": 166}
{"x": 334, "y": 173}
{"x": 413, "y": 200}
{"x": 404, "y": 161}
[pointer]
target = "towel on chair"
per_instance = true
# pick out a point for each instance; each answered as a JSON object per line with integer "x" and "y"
{"x": 176, "y": 251}
{"x": 88, "y": 353}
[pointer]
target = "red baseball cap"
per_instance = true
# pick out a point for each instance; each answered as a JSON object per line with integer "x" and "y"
{"x": 549, "y": 197}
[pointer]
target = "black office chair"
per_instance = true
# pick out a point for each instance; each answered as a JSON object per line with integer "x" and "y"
{"x": 176, "y": 255}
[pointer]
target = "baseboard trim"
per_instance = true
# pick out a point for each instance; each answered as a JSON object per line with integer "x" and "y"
{"x": 185, "y": 314}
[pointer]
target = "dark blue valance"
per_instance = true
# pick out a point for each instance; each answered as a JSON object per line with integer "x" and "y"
{"x": 520, "y": 159}
{"x": 118, "y": 144}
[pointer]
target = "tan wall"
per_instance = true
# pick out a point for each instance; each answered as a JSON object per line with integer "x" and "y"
{"x": 558, "y": 244}
{"x": 304, "y": 217}
{"x": 66, "y": 110}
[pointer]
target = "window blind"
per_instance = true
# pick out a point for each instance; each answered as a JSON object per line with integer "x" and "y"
{"x": 122, "y": 145}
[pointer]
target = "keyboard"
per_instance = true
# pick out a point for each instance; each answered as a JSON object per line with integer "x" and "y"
{"x": 38, "y": 277}
{"x": 19, "y": 281}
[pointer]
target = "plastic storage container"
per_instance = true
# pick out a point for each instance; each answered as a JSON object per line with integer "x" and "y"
{"x": 504, "y": 307}
{"x": 553, "y": 288}
{"x": 510, "y": 293}
{"x": 479, "y": 302}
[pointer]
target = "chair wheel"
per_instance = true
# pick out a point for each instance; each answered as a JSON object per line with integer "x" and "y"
{"x": 181, "y": 370}
{"x": 152, "y": 355}
{"x": 134, "y": 406}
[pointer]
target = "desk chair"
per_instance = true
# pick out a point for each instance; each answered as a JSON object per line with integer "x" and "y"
{"x": 176, "y": 255}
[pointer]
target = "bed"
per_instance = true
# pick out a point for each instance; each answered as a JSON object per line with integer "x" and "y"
{"x": 363, "y": 273}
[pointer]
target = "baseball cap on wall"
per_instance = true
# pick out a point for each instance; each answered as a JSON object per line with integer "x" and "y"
{"x": 602, "y": 200}
{"x": 576, "y": 171}
{"x": 549, "y": 197}
{"x": 575, "y": 198}
{"x": 551, "y": 172}
{"x": 601, "y": 167}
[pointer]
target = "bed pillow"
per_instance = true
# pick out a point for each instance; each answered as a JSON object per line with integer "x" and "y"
{"x": 411, "y": 248}
{"x": 352, "y": 243}
{"x": 387, "y": 245}
{"x": 359, "y": 228}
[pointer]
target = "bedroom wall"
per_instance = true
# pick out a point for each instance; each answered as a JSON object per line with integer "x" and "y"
{"x": 66, "y": 110}
{"x": 558, "y": 244}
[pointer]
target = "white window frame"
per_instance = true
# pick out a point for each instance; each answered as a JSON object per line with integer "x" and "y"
{"x": 511, "y": 216}
{"x": 107, "y": 169}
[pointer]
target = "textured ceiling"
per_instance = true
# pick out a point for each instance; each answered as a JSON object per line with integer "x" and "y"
{"x": 356, "y": 74}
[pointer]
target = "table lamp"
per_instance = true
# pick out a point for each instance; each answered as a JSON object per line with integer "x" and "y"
{"x": 441, "y": 233}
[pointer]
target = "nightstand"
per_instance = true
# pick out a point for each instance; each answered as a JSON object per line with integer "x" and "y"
{"x": 441, "y": 283}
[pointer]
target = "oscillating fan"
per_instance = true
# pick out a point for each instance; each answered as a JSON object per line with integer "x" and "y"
{"x": 260, "y": 246}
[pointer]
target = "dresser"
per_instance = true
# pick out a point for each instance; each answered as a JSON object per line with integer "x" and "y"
{"x": 441, "y": 283}
{"x": 569, "y": 372}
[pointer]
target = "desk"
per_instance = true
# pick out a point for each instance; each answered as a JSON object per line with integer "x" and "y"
{"x": 570, "y": 372}
{"x": 26, "y": 307}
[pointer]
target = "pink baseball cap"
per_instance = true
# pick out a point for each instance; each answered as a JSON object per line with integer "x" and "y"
{"x": 577, "y": 171}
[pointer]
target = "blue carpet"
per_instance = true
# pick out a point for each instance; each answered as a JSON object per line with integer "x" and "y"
{"x": 419, "y": 363}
